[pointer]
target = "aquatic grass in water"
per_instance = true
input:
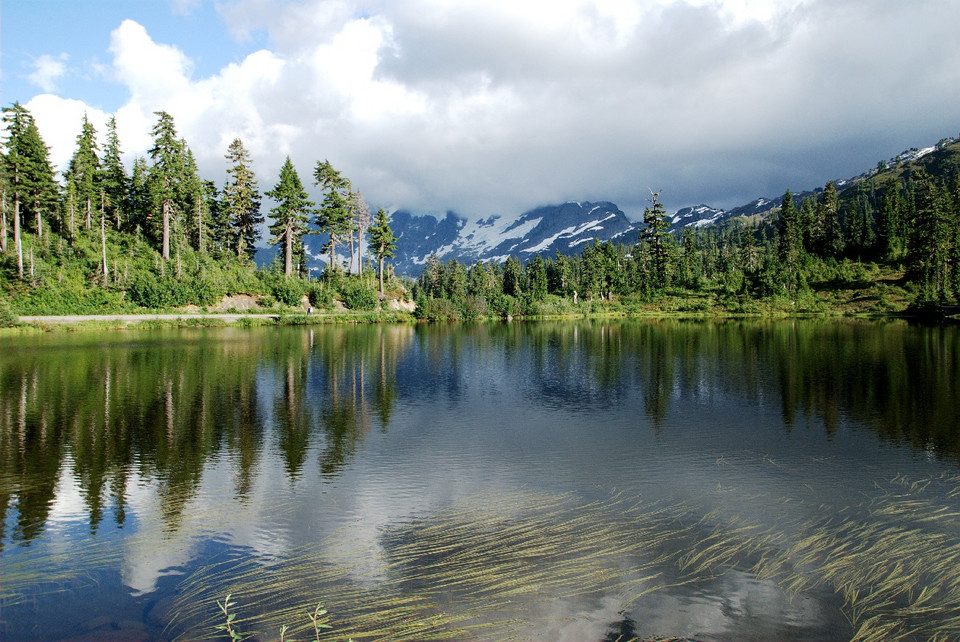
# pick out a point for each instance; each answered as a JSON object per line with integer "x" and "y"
{"x": 476, "y": 569}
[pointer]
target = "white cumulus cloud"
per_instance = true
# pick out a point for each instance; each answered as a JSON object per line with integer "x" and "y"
{"x": 48, "y": 70}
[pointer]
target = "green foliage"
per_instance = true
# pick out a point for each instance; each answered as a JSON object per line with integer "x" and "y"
{"x": 229, "y": 626}
{"x": 319, "y": 294}
{"x": 290, "y": 215}
{"x": 288, "y": 291}
{"x": 7, "y": 318}
{"x": 358, "y": 295}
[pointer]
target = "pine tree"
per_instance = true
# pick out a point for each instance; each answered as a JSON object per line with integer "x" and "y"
{"x": 513, "y": 277}
{"x": 29, "y": 174}
{"x": 334, "y": 216}
{"x": 115, "y": 183}
{"x": 559, "y": 275}
{"x": 165, "y": 178}
{"x": 890, "y": 236}
{"x": 138, "y": 196}
{"x": 84, "y": 172}
{"x": 383, "y": 243}
{"x": 291, "y": 214}
{"x": 196, "y": 205}
{"x": 241, "y": 200}
{"x": 933, "y": 232}
{"x": 790, "y": 244}
{"x": 828, "y": 223}
{"x": 537, "y": 278}
{"x": 655, "y": 236}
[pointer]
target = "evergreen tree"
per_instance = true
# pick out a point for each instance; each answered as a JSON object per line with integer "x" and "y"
{"x": 84, "y": 172}
{"x": 139, "y": 195}
{"x": 513, "y": 277}
{"x": 241, "y": 200}
{"x": 655, "y": 236}
{"x": 334, "y": 216}
{"x": 291, "y": 214}
{"x": 165, "y": 178}
{"x": 197, "y": 205}
{"x": 830, "y": 241}
{"x": 690, "y": 262}
{"x": 29, "y": 175}
{"x": 115, "y": 183}
{"x": 537, "y": 278}
{"x": 559, "y": 275}
{"x": 890, "y": 226}
{"x": 933, "y": 232}
{"x": 455, "y": 282}
{"x": 221, "y": 232}
{"x": 790, "y": 244}
{"x": 383, "y": 244}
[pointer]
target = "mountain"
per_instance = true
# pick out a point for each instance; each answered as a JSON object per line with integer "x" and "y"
{"x": 566, "y": 228}
{"x": 937, "y": 159}
{"x": 546, "y": 230}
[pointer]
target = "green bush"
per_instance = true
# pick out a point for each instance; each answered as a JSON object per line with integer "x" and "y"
{"x": 288, "y": 291}
{"x": 357, "y": 295}
{"x": 320, "y": 296}
{"x": 504, "y": 304}
{"x": 7, "y": 318}
{"x": 437, "y": 310}
{"x": 474, "y": 307}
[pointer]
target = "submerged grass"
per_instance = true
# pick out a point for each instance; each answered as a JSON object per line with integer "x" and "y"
{"x": 478, "y": 569}
{"x": 473, "y": 571}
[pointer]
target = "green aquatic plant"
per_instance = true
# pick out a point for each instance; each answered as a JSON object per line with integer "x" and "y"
{"x": 228, "y": 626}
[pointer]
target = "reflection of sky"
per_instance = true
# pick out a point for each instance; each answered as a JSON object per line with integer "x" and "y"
{"x": 482, "y": 422}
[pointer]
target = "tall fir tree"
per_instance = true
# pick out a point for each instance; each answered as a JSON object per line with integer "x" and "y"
{"x": 790, "y": 245}
{"x": 165, "y": 179}
{"x": 115, "y": 183}
{"x": 334, "y": 217}
{"x": 655, "y": 235}
{"x": 891, "y": 241}
{"x": 933, "y": 233}
{"x": 241, "y": 200}
{"x": 830, "y": 241}
{"x": 29, "y": 175}
{"x": 291, "y": 214}
{"x": 537, "y": 278}
{"x": 84, "y": 172}
{"x": 383, "y": 243}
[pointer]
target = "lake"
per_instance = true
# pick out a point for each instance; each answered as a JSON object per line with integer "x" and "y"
{"x": 589, "y": 480}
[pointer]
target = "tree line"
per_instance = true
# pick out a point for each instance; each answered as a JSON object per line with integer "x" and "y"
{"x": 907, "y": 225}
{"x": 98, "y": 209}
{"x": 162, "y": 236}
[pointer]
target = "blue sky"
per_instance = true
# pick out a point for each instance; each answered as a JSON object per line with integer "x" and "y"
{"x": 497, "y": 106}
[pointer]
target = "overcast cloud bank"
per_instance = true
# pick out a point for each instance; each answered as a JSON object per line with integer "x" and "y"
{"x": 498, "y": 107}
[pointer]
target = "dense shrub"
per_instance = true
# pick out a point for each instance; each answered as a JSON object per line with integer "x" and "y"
{"x": 7, "y": 318}
{"x": 146, "y": 292}
{"x": 436, "y": 309}
{"x": 320, "y": 296}
{"x": 474, "y": 307}
{"x": 357, "y": 295}
{"x": 288, "y": 291}
{"x": 73, "y": 299}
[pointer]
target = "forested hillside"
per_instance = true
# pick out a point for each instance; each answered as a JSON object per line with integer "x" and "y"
{"x": 100, "y": 239}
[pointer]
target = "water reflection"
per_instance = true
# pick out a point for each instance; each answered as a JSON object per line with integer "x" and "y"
{"x": 189, "y": 447}
{"x": 163, "y": 404}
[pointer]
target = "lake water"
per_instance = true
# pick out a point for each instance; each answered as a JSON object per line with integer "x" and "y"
{"x": 586, "y": 480}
